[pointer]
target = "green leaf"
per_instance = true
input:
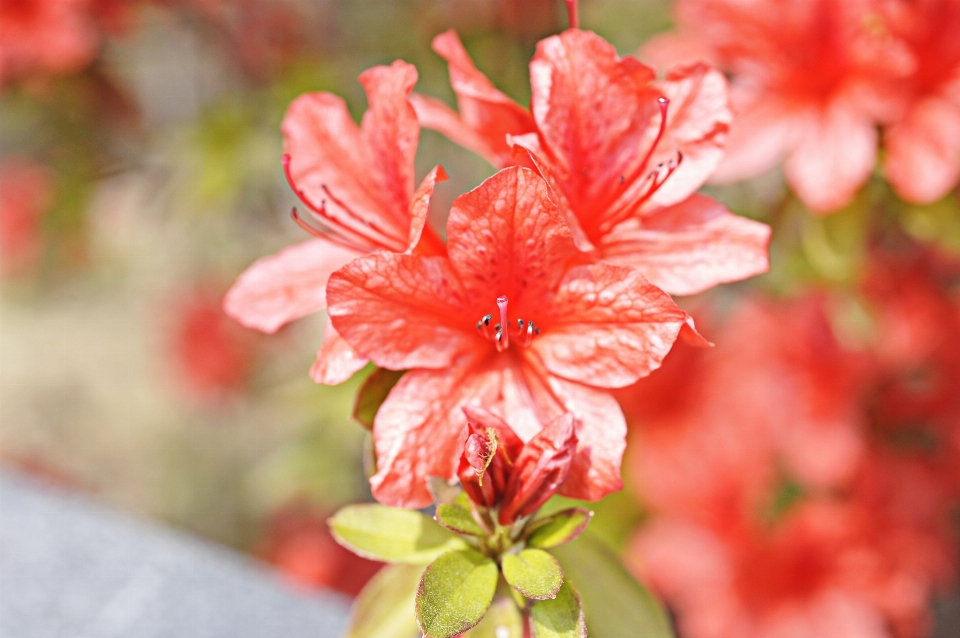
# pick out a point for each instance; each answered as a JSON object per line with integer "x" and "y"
{"x": 455, "y": 592}
{"x": 392, "y": 535}
{"x": 502, "y": 620}
{"x": 533, "y": 572}
{"x": 560, "y": 617}
{"x": 372, "y": 393}
{"x": 560, "y": 528}
{"x": 615, "y": 604}
{"x": 384, "y": 609}
{"x": 458, "y": 519}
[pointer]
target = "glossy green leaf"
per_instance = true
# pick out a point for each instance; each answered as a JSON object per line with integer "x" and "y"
{"x": 533, "y": 572}
{"x": 384, "y": 609}
{"x": 455, "y": 592}
{"x": 392, "y": 535}
{"x": 559, "y": 528}
{"x": 502, "y": 620}
{"x": 458, "y": 519}
{"x": 372, "y": 394}
{"x": 560, "y": 617}
{"x": 614, "y": 603}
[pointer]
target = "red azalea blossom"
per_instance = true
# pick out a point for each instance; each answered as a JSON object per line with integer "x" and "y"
{"x": 810, "y": 81}
{"x": 514, "y": 318}
{"x": 624, "y": 152}
{"x": 498, "y": 470}
{"x": 25, "y": 193}
{"x": 923, "y": 145}
{"x": 49, "y": 36}
{"x": 358, "y": 185}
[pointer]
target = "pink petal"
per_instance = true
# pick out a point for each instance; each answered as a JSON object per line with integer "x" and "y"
{"x": 437, "y": 116}
{"x": 923, "y": 151}
{"x": 759, "y": 136}
{"x": 690, "y": 247}
{"x": 291, "y": 284}
{"x": 336, "y": 361}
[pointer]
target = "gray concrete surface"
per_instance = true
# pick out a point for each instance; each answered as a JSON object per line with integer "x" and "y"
{"x": 72, "y": 569}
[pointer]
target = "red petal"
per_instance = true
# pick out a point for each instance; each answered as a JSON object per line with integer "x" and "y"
{"x": 607, "y": 326}
{"x": 422, "y": 238}
{"x": 506, "y": 237}
{"x": 691, "y": 246}
{"x": 402, "y": 311}
{"x": 698, "y": 120}
{"x": 437, "y": 116}
{"x": 483, "y": 418}
{"x": 336, "y": 361}
{"x": 540, "y": 470}
{"x": 286, "y": 286}
{"x": 483, "y": 108}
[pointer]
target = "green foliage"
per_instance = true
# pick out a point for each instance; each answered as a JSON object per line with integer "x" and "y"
{"x": 559, "y": 528}
{"x": 502, "y": 620}
{"x": 458, "y": 519}
{"x": 455, "y": 592}
{"x": 615, "y": 604}
{"x": 561, "y": 617}
{"x": 372, "y": 394}
{"x": 533, "y": 572}
{"x": 391, "y": 535}
{"x": 384, "y": 608}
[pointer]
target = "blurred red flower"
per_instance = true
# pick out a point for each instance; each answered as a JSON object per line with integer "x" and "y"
{"x": 566, "y": 329}
{"x": 25, "y": 194}
{"x": 358, "y": 184}
{"x": 298, "y": 542}
{"x": 623, "y": 152}
{"x": 45, "y": 36}
{"x": 810, "y": 81}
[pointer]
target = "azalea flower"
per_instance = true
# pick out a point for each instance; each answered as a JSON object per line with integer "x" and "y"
{"x": 923, "y": 144}
{"x": 519, "y": 477}
{"x": 513, "y": 318}
{"x": 810, "y": 81}
{"x": 623, "y": 151}
{"x": 357, "y": 184}
{"x": 47, "y": 36}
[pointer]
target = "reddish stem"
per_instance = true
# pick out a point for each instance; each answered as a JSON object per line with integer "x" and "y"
{"x": 574, "y": 12}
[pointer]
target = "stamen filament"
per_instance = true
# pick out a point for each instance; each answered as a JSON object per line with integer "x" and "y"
{"x": 505, "y": 339}
{"x": 573, "y": 11}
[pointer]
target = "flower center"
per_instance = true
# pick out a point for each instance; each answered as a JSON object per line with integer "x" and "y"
{"x": 522, "y": 332}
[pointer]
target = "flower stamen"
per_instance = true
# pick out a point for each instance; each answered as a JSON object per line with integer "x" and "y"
{"x": 500, "y": 334}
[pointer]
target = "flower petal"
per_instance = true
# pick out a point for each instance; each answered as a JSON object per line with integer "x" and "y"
{"x": 402, "y": 311}
{"x": 923, "y": 151}
{"x": 437, "y": 116}
{"x": 607, "y": 326}
{"x": 484, "y": 108}
{"x": 336, "y": 361}
{"x": 428, "y": 243}
{"x": 291, "y": 284}
{"x": 759, "y": 136}
{"x": 835, "y": 156}
{"x": 698, "y": 120}
{"x": 507, "y": 237}
{"x": 691, "y": 246}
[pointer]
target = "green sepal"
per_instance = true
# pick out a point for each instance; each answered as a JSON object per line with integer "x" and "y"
{"x": 391, "y": 534}
{"x": 384, "y": 609}
{"x": 615, "y": 604}
{"x": 560, "y": 617}
{"x": 502, "y": 620}
{"x": 458, "y": 519}
{"x": 455, "y": 592}
{"x": 560, "y": 528}
{"x": 372, "y": 394}
{"x": 532, "y": 572}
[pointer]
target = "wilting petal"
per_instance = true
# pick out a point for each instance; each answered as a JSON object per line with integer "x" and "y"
{"x": 291, "y": 284}
{"x": 923, "y": 151}
{"x": 691, "y": 246}
{"x": 483, "y": 108}
{"x": 540, "y": 470}
{"x": 427, "y": 243}
{"x": 506, "y": 237}
{"x": 596, "y": 112}
{"x": 698, "y": 120}
{"x": 401, "y": 311}
{"x": 336, "y": 361}
{"x": 607, "y": 326}
{"x": 835, "y": 156}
